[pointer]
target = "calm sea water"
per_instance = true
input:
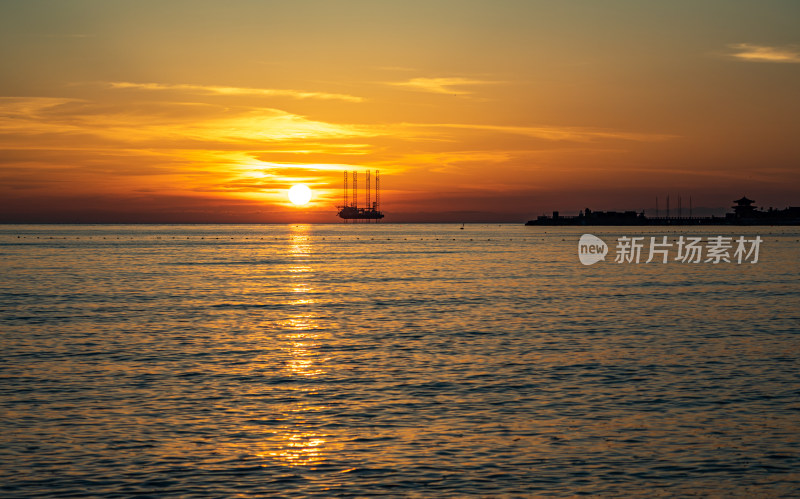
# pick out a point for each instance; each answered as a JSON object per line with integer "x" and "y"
{"x": 392, "y": 360}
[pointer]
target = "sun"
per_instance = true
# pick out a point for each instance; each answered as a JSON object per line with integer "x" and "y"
{"x": 300, "y": 194}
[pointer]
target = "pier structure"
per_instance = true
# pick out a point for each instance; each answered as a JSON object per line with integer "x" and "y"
{"x": 350, "y": 211}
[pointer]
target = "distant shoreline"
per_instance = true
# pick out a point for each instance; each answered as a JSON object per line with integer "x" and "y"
{"x": 744, "y": 213}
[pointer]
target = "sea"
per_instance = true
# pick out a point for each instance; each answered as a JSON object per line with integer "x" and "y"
{"x": 394, "y": 360}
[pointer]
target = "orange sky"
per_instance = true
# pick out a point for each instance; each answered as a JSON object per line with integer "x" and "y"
{"x": 200, "y": 111}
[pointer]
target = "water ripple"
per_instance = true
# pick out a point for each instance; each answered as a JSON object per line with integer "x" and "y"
{"x": 414, "y": 360}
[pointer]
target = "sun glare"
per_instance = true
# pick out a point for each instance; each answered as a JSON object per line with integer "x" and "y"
{"x": 300, "y": 194}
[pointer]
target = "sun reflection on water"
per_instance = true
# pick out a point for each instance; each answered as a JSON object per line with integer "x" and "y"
{"x": 300, "y": 341}
{"x": 298, "y": 449}
{"x": 300, "y": 332}
{"x": 291, "y": 357}
{"x": 300, "y": 335}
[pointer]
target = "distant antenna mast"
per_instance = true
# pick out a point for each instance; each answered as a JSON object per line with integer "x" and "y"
{"x": 656, "y": 206}
{"x": 690, "y": 206}
{"x": 377, "y": 191}
{"x": 355, "y": 189}
{"x": 368, "y": 192}
{"x": 680, "y": 209}
{"x": 344, "y": 192}
{"x": 667, "y": 205}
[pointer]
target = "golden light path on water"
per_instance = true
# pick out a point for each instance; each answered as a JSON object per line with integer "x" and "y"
{"x": 299, "y": 337}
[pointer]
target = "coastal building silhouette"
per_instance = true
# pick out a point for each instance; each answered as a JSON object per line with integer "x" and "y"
{"x": 744, "y": 208}
{"x": 744, "y": 213}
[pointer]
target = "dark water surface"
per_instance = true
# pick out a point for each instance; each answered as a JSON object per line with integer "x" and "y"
{"x": 392, "y": 360}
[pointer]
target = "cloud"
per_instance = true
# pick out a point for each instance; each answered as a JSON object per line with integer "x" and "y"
{"x": 762, "y": 53}
{"x": 160, "y": 124}
{"x": 558, "y": 133}
{"x": 441, "y": 85}
{"x": 155, "y": 126}
{"x": 253, "y": 152}
{"x": 395, "y": 68}
{"x": 220, "y": 90}
{"x": 56, "y": 35}
{"x": 277, "y": 125}
{"x": 21, "y": 107}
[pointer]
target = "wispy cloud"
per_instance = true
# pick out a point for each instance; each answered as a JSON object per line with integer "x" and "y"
{"x": 56, "y": 35}
{"x": 451, "y": 85}
{"x": 26, "y": 106}
{"x": 558, "y": 133}
{"x": 159, "y": 125}
{"x": 249, "y": 152}
{"x": 166, "y": 147}
{"x": 763, "y": 53}
{"x": 395, "y": 68}
{"x": 221, "y": 90}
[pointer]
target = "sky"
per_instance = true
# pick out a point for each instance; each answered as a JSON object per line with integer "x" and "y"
{"x": 473, "y": 111}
